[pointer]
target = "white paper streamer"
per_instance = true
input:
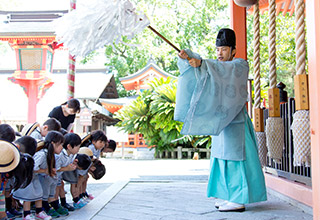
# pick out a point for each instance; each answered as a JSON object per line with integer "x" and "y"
{"x": 101, "y": 23}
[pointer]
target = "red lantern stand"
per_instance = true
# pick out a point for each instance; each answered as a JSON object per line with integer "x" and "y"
{"x": 34, "y": 65}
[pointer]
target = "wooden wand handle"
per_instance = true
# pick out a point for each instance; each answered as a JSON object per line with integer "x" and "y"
{"x": 163, "y": 38}
{"x": 166, "y": 40}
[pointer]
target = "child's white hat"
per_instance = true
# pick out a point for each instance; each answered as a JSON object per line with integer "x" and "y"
{"x": 29, "y": 128}
{"x": 86, "y": 151}
{"x": 10, "y": 156}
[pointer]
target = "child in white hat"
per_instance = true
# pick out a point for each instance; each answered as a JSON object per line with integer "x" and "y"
{"x": 9, "y": 160}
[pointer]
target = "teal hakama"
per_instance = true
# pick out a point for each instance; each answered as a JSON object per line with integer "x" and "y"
{"x": 239, "y": 181}
{"x": 211, "y": 100}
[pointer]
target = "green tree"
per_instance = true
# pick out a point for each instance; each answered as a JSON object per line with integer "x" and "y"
{"x": 187, "y": 24}
{"x": 285, "y": 54}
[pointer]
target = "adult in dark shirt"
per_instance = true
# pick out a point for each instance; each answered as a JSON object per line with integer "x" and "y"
{"x": 66, "y": 113}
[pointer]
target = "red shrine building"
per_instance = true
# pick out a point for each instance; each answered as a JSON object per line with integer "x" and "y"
{"x": 138, "y": 82}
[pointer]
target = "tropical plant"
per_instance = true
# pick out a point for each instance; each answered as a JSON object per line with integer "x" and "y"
{"x": 151, "y": 114}
{"x": 162, "y": 109}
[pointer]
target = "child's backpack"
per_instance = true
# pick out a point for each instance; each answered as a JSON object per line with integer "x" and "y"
{"x": 99, "y": 170}
{"x": 86, "y": 141}
{"x": 29, "y": 128}
{"x": 40, "y": 145}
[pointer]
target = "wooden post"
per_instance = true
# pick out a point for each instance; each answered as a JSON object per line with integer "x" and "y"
{"x": 122, "y": 150}
{"x": 274, "y": 102}
{"x": 301, "y": 92}
{"x": 189, "y": 154}
{"x": 258, "y": 120}
{"x": 179, "y": 153}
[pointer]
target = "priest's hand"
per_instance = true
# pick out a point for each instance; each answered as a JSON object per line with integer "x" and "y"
{"x": 183, "y": 54}
{"x": 195, "y": 62}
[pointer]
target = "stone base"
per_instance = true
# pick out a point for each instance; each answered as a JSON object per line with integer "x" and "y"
{"x": 140, "y": 153}
{"x": 143, "y": 153}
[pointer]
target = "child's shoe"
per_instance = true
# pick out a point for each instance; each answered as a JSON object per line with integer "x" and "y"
{"x": 53, "y": 213}
{"x": 90, "y": 196}
{"x": 43, "y": 215}
{"x": 69, "y": 207}
{"x": 13, "y": 213}
{"x": 79, "y": 204}
{"x": 83, "y": 201}
{"x": 86, "y": 199}
{"x": 62, "y": 211}
{"x": 29, "y": 217}
{"x": 9, "y": 215}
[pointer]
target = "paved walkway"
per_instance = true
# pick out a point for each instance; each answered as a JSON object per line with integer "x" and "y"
{"x": 171, "y": 190}
{"x": 168, "y": 190}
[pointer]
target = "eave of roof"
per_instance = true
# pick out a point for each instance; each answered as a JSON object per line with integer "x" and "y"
{"x": 109, "y": 120}
{"x": 119, "y": 101}
{"x": 284, "y": 6}
{"x": 151, "y": 64}
{"x": 27, "y": 29}
{"x": 28, "y": 23}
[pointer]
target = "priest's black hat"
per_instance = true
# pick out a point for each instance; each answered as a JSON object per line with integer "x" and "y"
{"x": 226, "y": 37}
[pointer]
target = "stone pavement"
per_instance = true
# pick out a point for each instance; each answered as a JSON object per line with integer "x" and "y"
{"x": 169, "y": 190}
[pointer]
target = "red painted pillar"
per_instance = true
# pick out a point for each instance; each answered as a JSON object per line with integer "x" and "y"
{"x": 72, "y": 64}
{"x": 33, "y": 100}
{"x": 238, "y": 19}
{"x": 313, "y": 36}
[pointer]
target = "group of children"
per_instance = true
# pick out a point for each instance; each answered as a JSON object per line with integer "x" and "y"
{"x": 50, "y": 157}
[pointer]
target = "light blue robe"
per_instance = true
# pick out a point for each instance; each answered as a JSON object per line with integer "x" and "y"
{"x": 211, "y": 100}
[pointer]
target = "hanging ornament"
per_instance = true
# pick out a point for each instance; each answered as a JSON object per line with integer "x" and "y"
{"x": 245, "y": 3}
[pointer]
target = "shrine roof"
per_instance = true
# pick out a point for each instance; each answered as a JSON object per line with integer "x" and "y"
{"x": 100, "y": 115}
{"x": 93, "y": 84}
{"x": 119, "y": 101}
{"x": 284, "y": 6}
{"x": 150, "y": 64}
{"x": 28, "y": 23}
